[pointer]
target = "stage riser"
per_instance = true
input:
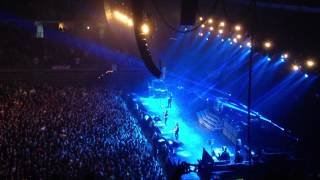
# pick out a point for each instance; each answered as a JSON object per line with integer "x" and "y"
{"x": 213, "y": 123}
{"x": 209, "y": 120}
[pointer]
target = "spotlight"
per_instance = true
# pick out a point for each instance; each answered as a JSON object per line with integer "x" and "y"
{"x": 202, "y": 25}
{"x": 211, "y": 28}
{"x": 282, "y": 60}
{"x": 61, "y": 26}
{"x": 268, "y": 59}
{"x": 88, "y": 27}
{"x": 130, "y": 22}
{"x": 229, "y": 39}
{"x": 200, "y": 18}
{"x": 185, "y": 29}
{"x": 145, "y": 29}
{"x": 285, "y": 55}
{"x": 210, "y": 21}
{"x": 220, "y": 31}
{"x": 200, "y": 34}
{"x": 235, "y": 40}
{"x": 240, "y": 46}
{"x": 295, "y": 67}
{"x": 123, "y": 18}
{"x": 222, "y": 24}
{"x": 222, "y": 40}
{"x": 237, "y": 27}
{"x": 306, "y": 75}
{"x": 239, "y": 36}
{"x": 207, "y": 39}
{"x": 116, "y": 14}
{"x": 267, "y": 44}
{"x": 310, "y": 63}
{"x": 249, "y": 44}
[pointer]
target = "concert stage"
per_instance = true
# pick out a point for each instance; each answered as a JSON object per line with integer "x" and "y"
{"x": 192, "y": 137}
{"x": 211, "y": 125}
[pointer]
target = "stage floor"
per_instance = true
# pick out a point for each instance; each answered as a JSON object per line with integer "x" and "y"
{"x": 192, "y": 136}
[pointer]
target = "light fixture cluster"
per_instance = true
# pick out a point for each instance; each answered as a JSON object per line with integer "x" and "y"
{"x": 122, "y": 18}
{"x": 237, "y": 37}
{"x": 125, "y": 19}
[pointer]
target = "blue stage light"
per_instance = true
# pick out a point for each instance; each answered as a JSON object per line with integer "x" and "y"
{"x": 185, "y": 29}
{"x": 229, "y": 39}
{"x": 269, "y": 59}
{"x": 222, "y": 40}
{"x": 240, "y": 46}
{"x": 231, "y": 43}
{"x": 306, "y": 75}
{"x": 282, "y": 60}
{"x": 207, "y": 39}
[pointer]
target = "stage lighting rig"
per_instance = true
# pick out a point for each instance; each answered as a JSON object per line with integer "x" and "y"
{"x": 295, "y": 67}
{"x": 237, "y": 28}
{"x": 145, "y": 29}
{"x": 310, "y": 63}
{"x": 267, "y": 45}
{"x": 285, "y": 56}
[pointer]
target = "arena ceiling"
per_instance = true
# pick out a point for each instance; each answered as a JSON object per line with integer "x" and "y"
{"x": 291, "y": 24}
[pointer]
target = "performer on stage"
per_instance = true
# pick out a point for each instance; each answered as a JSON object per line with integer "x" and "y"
{"x": 170, "y": 101}
{"x": 165, "y": 117}
{"x": 176, "y": 131}
{"x": 238, "y": 145}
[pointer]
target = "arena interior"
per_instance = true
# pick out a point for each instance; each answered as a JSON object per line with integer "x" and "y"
{"x": 159, "y": 89}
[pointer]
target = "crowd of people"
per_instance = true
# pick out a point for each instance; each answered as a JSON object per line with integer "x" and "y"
{"x": 71, "y": 132}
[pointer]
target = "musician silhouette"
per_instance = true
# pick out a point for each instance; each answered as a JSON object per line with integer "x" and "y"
{"x": 165, "y": 117}
{"x": 169, "y": 101}
{"x": 176, "y": 131}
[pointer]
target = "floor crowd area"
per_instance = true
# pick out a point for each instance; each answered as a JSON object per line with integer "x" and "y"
{"x": 71, "y": 132}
